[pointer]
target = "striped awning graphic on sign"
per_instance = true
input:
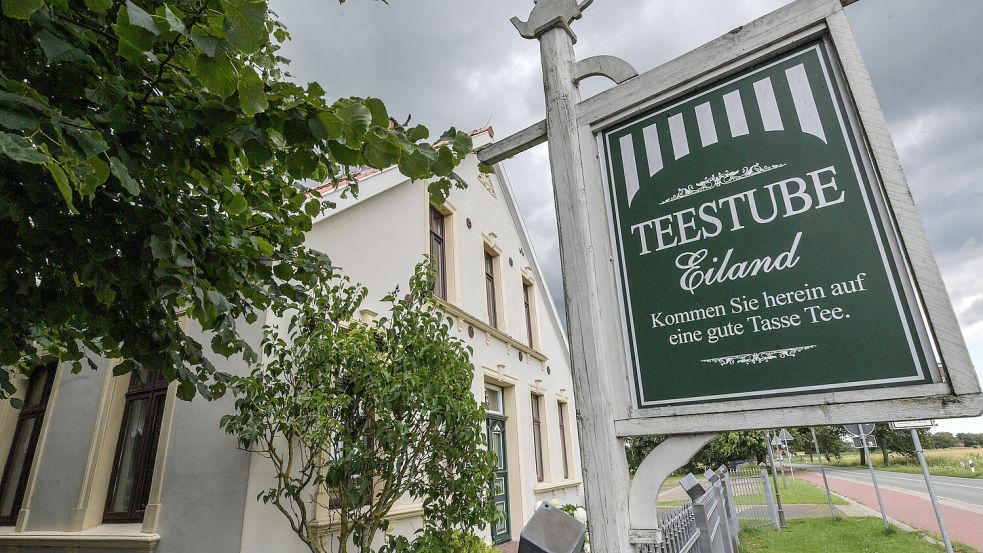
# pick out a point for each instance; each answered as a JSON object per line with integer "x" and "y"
{"x": 762, "y": 93}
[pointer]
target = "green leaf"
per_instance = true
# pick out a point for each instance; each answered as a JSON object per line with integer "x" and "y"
{"x": 61, "y": 181}
{"x": 186, "y": 390}
{"x": 313, "y": 207}
{"x": 418, "y": 132}
{"x": 415, "y": 165}
{"x": 210, "y": 45}
{"x": 20, "y": 149}
{"x": 283, "y": 271}
{"x": 301, "y": 163}
{"x": 16, "y": 120}
{"x": 343, "y": 154}
{"x": 217, "y": 74}
{"x": 173, "y": 21}
{"x": 356, "y": 117}
{"x": 96, "y": 175}
{"x": 380, "y": 152}
{"x": 158, "y": 248}
{"x": 485, "y": 169}
{"x": 237, "y": 204}
{"x": 252, "y": 93}
{"x": 140, "y": 18}
{"x": 21, "y": 9}
{"x": 263, "y": 245}
{"x": 57, "y": 50}
{"x": 99, "y": 6}
{"x": 123, "y": 175}
{"x": 134, "y": 40}
{"x": 105, "y": 295}
{"x": 333, "y": 126}
{"x": 17, "y": 403}
{"x": 245, "y": 24}
{"x": 128, "y": 365}
{"x": 444, "y": 163}
{"x": 91, "y": 142}
{"x": 380, "y": 116}
{"x": 462, "y": 143}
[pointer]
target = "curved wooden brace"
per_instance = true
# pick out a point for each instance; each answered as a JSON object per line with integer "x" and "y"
{"x": 616, "y": 69}
{"x": 668, "y": 456}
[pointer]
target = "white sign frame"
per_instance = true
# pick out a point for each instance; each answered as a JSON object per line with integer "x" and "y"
{"x": 912, "y": 425}
{"x": 955, "y": 394}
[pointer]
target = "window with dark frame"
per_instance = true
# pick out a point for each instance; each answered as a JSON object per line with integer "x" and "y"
{"x": 136, "y": 449}
{"x": 438, "y": 255}
{"x": 526, "y": 298}
{"x": 22, "y": 449}
{"x": 561, "y": 409}
{"x": 537, "y": 437}
{"x": 490, "y": 289}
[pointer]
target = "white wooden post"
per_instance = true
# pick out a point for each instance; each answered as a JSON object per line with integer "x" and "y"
{"x": 605, "y": 467}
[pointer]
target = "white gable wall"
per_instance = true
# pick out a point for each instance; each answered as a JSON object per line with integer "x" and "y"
{"x": 378, "y": 238}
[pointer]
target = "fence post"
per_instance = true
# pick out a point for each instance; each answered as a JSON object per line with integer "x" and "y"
{"x": 703, "y": 525}
{"x": 731, "y": 505}
{"x": 770, "y": 499}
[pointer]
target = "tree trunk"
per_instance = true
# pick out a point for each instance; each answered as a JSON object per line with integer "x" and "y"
{"x": 863, "y": 457}
{"x": 884, "y": 454}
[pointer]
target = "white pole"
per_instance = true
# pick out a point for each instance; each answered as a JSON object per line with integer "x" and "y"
{"x": 605, "y": 467}
{"x": 931, "y": 489}
{"x": 822, "y": 469}
{"x": 877, "y": 489}
{"x": 791, "y": 468}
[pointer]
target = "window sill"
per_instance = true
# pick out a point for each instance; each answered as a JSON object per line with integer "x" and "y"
{"x": 544, "y": 487}
{"x": 106, "y": 536}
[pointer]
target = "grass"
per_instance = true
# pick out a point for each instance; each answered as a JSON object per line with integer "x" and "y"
{"x": 854, "y": 535}
{"x": 798, "y": 492}
{"x": 802, "y": 493}
{"x": 941, "y": 462}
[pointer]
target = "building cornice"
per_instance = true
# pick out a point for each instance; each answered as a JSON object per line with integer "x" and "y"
{"x": 470, "y": 319}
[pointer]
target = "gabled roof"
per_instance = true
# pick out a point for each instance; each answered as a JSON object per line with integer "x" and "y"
{"x": 513, "y": 208}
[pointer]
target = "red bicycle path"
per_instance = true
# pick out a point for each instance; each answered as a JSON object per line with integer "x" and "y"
{"x": 963, "y": 525}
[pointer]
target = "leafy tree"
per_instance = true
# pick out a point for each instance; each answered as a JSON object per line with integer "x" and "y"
{"x": 153, "y": 158}
{"x": 729, "y": 446}
{"x": 830, "y": 440}
{"x": 940, "y": 440}
{"x": 969, "y": 439}
{"x": 367, "y": 413}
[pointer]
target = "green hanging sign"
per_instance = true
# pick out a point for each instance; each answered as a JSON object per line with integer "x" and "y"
{"x": 756, "y": 253}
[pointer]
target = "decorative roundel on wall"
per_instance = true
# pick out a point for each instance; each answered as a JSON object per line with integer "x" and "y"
{"x": 547, "y": 369}
{"x": 470, "y": 331}
{"x": 520, "y": 355}
{"x": 510, "y": 262}
{"x": 468, "y": 222}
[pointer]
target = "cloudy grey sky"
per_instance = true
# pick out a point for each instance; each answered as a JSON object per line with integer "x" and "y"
{"x": 461, "y": 63}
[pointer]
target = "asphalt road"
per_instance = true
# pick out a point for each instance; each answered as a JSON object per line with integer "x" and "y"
{"x": 966, "y": 490}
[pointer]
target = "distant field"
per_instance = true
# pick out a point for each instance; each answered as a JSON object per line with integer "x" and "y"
{"x": 941, "y": 462}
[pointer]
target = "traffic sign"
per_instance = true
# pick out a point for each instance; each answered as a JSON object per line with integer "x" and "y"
{"x": 785, "y": 436}
{"x": 909, "y": 425}
{"x": 858, "y": 442}
{"x": 859, "y": 429}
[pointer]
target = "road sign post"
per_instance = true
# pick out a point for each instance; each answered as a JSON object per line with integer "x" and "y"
{"x": 862, "y": 433}
{"x": 822, "y": 469}
{"x": 774, "y": 477}
{"x": 931, "y": 489}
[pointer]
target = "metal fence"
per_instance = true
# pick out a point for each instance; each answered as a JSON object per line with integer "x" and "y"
{"x": 734, "y": 501}
{"x": 752, "y": 497}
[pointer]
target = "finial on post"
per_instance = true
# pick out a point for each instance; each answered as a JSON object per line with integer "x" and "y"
{"x": 547, "y": 14}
